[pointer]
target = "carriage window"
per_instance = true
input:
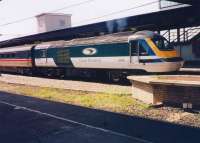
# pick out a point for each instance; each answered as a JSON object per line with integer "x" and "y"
{"x": 29, "y": 54}
{"x": 12, "y": 55}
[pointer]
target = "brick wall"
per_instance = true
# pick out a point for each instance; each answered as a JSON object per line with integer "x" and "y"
{"x": 177, "y": 94}
{"x": 142, "y": 91}
{"x": 167, "y": 94}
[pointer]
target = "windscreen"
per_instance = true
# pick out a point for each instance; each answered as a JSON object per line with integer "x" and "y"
{"x": 162, "y": 43}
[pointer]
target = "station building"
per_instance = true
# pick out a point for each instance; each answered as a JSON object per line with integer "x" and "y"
{"x": 53, "y": 21}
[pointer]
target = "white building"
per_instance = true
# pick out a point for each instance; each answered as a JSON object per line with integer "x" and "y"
{"x": 53, "y": 21}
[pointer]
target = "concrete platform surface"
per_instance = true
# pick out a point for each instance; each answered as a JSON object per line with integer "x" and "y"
{"x": 31, "y": 120}
{"x": 195, "y": 70}
{"x": 180, "y": 80}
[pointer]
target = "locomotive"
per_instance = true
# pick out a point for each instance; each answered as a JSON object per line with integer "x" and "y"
{"x": 112, "y": 56}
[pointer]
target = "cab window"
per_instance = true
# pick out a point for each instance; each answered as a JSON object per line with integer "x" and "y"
{"x": 162, "y": 43}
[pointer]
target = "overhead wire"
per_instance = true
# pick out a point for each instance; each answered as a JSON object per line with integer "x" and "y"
{"x": 78, "y": 4}
{"x": 117, "y": 12}
{"x": 31, "y": 17}
{"x": 87, "y": 20}
{"x": 83, "y": 21}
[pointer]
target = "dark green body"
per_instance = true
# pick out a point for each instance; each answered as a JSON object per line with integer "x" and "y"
{"x": 62, "y": 55}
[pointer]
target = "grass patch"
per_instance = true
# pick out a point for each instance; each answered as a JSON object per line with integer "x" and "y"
{"x": 122, "y": 103}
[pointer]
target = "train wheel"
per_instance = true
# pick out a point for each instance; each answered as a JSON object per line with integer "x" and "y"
{"x": 115, "y": 77}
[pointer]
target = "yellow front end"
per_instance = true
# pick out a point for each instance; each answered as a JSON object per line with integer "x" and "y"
{"x": 171, "y": 61}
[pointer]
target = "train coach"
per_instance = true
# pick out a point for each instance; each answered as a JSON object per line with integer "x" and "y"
{"x": 114, "y": 56}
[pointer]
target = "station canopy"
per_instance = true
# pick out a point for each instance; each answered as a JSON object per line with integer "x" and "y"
{"x": 191, "y": 2}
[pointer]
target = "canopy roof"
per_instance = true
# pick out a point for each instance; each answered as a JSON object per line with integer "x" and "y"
{"x": 191, "y": 2}
{"x": 156, "y": 21}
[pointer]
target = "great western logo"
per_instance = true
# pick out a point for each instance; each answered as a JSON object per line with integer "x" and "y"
{"x": 89, "y": 51}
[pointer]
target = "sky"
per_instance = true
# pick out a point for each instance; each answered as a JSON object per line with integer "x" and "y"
{"x": 13, "y": 10}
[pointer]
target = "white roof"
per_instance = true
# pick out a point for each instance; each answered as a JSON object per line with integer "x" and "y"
{"x": 16, "y": 49}
{"x": 53, "y": 14}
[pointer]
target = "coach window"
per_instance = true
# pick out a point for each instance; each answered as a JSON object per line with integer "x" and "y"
{"x": 28, "y": 54}
{"x": 12, "y": 55}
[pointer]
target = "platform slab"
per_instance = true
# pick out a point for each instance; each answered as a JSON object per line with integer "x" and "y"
{"x": 170, "y": 89}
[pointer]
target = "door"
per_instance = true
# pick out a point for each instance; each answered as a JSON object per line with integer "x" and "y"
{"x": 44, "y": 56}
{"x": 33, "y": 56}
{"x": 134, "y": 52}
{"x": 139, "y": 52}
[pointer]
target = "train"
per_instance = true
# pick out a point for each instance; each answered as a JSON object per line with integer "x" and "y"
{"x": 112, "y": 56}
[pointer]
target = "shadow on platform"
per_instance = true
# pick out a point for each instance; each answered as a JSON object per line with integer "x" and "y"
{"x": 18, "y": 124}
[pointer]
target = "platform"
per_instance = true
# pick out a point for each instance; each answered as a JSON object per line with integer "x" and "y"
{"x": 167, "y": 89}
{"x": 190, "y": 70}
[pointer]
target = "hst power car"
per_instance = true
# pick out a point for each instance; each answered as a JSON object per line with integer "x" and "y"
{"x": 114, "y": 56}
